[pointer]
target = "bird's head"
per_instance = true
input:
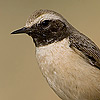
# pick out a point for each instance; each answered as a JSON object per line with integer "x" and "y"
{"x": 45, "y": 27}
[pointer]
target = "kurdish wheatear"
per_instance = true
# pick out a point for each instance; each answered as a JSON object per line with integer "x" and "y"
{"x": 68, "y": 60}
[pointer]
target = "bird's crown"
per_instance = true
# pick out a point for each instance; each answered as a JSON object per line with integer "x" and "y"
{"x": 41, "y": 15}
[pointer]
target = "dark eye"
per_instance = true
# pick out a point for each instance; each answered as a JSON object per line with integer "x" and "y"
{"x": 45, "y": 22}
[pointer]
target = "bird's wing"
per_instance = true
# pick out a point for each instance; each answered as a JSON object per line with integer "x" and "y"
{"x": 87, "y": 47}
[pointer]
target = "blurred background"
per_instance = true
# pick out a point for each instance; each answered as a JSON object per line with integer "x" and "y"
{"x": 20, "y": 77}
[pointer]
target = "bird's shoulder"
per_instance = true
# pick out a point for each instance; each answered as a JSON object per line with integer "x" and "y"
{"x": 87, "y": 47}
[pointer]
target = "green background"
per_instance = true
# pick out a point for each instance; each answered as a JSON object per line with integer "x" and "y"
{"x": 20, "y": 77}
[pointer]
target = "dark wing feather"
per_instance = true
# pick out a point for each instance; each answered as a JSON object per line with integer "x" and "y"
{"x": 88, "y": 48}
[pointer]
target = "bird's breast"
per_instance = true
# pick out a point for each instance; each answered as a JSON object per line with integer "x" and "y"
{"x": 65, "y": 70}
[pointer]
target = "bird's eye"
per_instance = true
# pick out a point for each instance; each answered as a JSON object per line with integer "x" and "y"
{"x": 45, "y": 23}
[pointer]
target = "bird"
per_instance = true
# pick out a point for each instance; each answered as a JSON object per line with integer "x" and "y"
{"x": 68, "y": 59}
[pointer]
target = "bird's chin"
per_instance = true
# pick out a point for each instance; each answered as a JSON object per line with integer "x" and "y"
{"x": 30, "y": 34}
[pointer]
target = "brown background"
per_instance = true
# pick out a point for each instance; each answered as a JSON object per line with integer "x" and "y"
{"x": 20, "y": 77}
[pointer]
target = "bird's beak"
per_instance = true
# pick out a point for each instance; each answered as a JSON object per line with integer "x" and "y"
{"x": 22, "y": 30}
